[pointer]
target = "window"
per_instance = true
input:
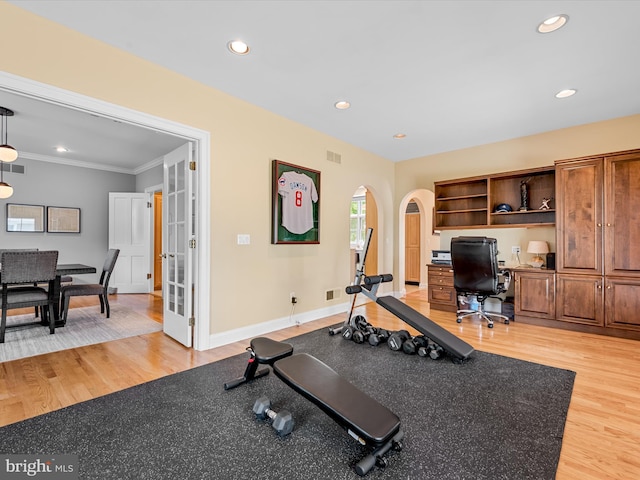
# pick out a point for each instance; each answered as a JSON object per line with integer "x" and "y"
{"x": 358, "y": 223}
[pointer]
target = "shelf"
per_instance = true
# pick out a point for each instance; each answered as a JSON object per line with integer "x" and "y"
{"x": 469, "y": 202}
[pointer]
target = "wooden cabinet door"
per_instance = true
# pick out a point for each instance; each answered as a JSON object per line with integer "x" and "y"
{"x": 580, "y": 299}
{"x": 622, "y": 297}
{"x": 535, "y": 294}
{"x": 622, "y": 215}
{"x": 412, "y": 247}
{"x": 579, "y": 216}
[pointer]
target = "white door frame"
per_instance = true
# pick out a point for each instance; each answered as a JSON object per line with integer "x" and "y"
{"x": 201, "y": 139}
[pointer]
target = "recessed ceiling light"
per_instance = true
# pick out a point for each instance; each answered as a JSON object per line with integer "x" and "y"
{"x": 342, "y": 105}
{"x": 61, "y": 149}
{"x": 400, "y": 135}
{"x": 553, "y": 23}
{"x": 566, "y": 93}
{"x": 238, "y": 47}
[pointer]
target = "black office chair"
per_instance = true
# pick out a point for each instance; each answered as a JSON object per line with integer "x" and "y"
{"x": 476, "y": 272}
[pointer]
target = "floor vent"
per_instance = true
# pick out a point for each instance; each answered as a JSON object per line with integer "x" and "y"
{"x": 334, "y": 157}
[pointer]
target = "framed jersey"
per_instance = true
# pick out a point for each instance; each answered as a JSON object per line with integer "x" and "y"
{"x": 295, "y": 204}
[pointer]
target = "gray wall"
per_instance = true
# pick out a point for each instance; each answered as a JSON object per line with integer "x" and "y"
{"x": 51, "y": 184}
{"x": 149, "y": 178}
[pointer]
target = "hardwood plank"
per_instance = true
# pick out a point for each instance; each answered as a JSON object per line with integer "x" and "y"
{"x": 602, "y": 432}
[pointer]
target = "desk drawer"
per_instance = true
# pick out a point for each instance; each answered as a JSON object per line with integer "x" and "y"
{"x": 442, "y": 294}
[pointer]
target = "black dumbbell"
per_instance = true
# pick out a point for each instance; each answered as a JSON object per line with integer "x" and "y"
{"x": 396, "y": 339}
{"x": 379, "y": 336}
{"x": 435, "y": 351}
{"x": 411, "y": 345}
{"x": 362, "y": 335}
{"x": 347, "y": 332}
{"x": 282, "y": 422}
{"x": 360, "y": 322}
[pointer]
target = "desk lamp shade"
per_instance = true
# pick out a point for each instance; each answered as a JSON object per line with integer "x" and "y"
{"x": 537, "y": 247}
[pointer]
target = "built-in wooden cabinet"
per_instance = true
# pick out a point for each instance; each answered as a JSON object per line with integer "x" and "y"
{"x": 442, "y": 295}
{"x": 598, "y": 241}
{"x": 470, "y": 202}
{"x": 534, "y": 293}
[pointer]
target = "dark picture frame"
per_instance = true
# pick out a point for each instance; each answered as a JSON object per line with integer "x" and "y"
{"x": 25, "y": 218}
{"x": 63, "y": 220}
{"x": 295, "y": 192}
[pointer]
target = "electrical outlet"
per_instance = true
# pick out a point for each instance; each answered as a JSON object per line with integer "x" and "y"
{"x": 515, "y": 249}
{"x": 293, "y": 297}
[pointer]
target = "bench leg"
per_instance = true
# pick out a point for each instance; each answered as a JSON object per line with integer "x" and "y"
{"x": 250, "y": 372}
{"x": 367, "y": 463}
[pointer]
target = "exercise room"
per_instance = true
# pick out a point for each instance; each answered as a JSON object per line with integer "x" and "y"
{"x": 366, "y": 239}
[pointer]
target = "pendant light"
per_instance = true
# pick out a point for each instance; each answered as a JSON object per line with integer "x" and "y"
{"x": 6, "y": 190}
{"x": 7, "y": 152}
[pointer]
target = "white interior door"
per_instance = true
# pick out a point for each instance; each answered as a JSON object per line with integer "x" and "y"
{"x": 129, "y": 230}
{"x": 177, "y": 234}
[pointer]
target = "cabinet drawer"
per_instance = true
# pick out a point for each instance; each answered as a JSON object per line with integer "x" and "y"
{"x": 441, "y": 281}
{"x": 440, "y": 270}
{"x": 442, "y": 294}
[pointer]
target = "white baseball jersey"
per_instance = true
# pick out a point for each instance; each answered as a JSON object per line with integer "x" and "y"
{"x": 298, "y": 192}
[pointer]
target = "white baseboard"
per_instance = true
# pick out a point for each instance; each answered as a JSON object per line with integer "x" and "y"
{"x": 252, "y": 331}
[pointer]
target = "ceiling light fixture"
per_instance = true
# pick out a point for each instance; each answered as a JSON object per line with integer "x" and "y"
{"x": 400, "y": 135}
{"x": 566, "y": 93}
{"x": 553, "y": 23}
{"x": 342, "y": 105}
{"x": 238, "y": 47}
{"x": 7, "y": 152}
{"x": 61, "y": 149}
{"x": 6, "y": 190}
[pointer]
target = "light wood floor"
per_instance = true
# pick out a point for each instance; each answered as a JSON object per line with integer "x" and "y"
{"x": 602, "y": 435}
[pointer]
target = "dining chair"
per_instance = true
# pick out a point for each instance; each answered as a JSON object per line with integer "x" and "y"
{"x": 20, "y": 273}
{"x": 89, "y": 289}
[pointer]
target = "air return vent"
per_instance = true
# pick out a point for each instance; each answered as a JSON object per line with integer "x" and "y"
{"x": 13, "y": 168}
{"x": 332, "y": 294}
{"x": 334, "y": 157}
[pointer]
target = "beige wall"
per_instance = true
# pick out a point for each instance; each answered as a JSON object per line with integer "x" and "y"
{"x": 517, "y": 154}
{"x": 250, "y": 284}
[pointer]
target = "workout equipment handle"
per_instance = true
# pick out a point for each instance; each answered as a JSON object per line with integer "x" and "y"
{"x": 373, "y": 279}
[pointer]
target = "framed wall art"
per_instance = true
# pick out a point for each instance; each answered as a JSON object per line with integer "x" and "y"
{"x": 295, "y": 204}
{"x": 25, "y": 218}
{"x": 63, "y": 220}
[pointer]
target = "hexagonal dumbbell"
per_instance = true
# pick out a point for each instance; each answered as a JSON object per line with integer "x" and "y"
{"x": 282, "y": 422}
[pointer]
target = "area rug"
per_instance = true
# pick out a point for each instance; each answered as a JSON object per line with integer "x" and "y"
{"x": 491, "y": 418}
{"x": 85, "y": 326}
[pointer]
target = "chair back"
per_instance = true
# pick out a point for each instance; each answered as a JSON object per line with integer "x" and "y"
{"x": 28, "y": 266}
{"x": 475, "y": 265}
{"x": 109, "y": 265}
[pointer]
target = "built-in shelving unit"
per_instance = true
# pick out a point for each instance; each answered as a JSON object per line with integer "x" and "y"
{"x": 470, "y": 202}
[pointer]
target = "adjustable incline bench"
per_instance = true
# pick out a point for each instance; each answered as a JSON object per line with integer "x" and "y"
{"x": 454, "y": 346}
{"x": 366, "y": 420}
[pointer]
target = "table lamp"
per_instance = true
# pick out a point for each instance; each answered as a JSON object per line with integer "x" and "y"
{"x": 537, "y": 247}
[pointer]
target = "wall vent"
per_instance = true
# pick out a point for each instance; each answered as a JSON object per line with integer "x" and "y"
{"x": 334, "y": 157}
{"x": 13, "y": 168}
{"x": 332, "y": 294}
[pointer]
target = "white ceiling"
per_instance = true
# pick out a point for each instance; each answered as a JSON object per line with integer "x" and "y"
{"x": 448, "y": 74}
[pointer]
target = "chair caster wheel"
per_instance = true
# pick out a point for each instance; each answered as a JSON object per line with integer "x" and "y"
{"x": 458, "y": 320}
{"x": 490, "y": 325}
{"x": 506, "y": 322}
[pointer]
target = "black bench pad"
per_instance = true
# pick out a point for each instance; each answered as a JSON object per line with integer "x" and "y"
{"x": 447, "y": 340}
{"x": 268, "y": 351}
{"x": 338, "y": 398}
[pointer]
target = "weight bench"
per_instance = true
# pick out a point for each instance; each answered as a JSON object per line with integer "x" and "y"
{"x": 364, "y": 418}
